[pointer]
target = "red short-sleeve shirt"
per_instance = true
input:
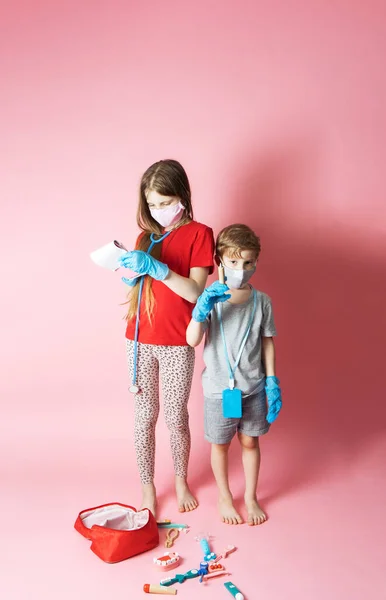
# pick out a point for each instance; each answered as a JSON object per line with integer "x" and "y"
{"x": 191, "y": 245}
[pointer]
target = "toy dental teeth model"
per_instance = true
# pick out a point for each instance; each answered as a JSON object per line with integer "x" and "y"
{"x": 170, "y": 560}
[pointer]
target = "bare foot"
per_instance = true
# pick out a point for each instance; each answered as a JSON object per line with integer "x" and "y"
{"x": 149, "y": 498}
{"x": 186, "y": 500}
{"x": 256, "y": 515}
{"x": 228, "y": 512}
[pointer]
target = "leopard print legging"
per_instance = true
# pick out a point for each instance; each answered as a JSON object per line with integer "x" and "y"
{"x": 174, "y": 365}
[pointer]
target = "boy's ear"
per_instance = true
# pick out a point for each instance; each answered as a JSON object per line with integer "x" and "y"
{"x": 217, "y": 260}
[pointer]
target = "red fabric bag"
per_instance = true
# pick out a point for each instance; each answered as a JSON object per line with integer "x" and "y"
{"x": 117, "y": 531}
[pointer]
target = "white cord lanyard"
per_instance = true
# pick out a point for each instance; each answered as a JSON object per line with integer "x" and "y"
{"x": 243, "y": 341}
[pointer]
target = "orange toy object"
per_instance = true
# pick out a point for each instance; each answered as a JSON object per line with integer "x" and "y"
{"x": 171, "y": 536}
{"x": 215, "y": 567}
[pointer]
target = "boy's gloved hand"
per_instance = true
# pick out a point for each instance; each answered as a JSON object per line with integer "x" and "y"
{"x": 209, "y": 297}
{"x": 144, "y": 264}
{"x": 273, "y": 392}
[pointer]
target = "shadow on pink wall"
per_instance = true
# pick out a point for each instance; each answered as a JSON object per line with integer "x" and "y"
{"x": 329, "y": 294}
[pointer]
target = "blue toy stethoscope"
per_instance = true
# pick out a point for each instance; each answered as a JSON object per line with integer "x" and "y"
{"x": 134, "y": 388}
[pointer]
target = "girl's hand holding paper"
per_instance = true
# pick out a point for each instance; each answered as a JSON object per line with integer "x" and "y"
{"x": 209, "y": 297}
{"x": 143, "y": 264}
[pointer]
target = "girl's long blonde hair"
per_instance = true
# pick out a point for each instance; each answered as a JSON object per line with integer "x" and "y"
{"x": 168, "y": 178}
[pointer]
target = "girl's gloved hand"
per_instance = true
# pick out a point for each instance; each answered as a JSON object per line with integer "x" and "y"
{"x": 273, "y": 392}
{"x": 209, "y": 297}
{"x": 131, "y": 282}
{"x": 144, "y": 264}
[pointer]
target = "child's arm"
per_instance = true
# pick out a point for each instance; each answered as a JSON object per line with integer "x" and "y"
{"x": 268, "y": 356}
{"x": 190, "y": 287}
{"x": 195, "y": 333}
{"x": 217, "y": 292}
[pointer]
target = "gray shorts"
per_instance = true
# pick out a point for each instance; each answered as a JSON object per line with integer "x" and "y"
{"x": 219, "y": 430}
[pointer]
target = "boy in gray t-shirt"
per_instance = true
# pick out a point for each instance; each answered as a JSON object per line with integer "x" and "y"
{"x": 239, "y": 376}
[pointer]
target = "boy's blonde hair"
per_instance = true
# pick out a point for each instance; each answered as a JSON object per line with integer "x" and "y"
{"x": 236, "y": 238}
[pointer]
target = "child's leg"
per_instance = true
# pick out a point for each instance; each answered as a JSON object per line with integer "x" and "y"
{"x": 219, "y": 461}
{"x": 251, "y": 462}
{"x": 146, "y": 409}
{"x": 176, "y": 368}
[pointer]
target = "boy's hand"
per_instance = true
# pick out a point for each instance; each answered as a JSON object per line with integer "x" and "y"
{"x": 144, "y": 264}
{"x": 273, "y": 392}
{"x": 209, "y": 297}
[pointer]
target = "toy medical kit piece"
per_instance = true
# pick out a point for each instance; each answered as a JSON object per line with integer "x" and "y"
{"x": 108, "y": 255}
{"x": 215, "y": 567}
{"x": 180, "y": 578}
{"x": 171, "y": 536}
{"x": 203, "y": 570}
{"x": 151, "y": 588}
{"x": 210, "y": 575}
{"x": 134, "y": 387}
{"x": 213, "y": 570}
{"x": 221, "y": 274}
{"x": 204, "y": 543}
{"x": 117, "y": 531}
{"x": 164, "y": 521}
{"x": 233, "y": 590}
{"x": 169, "y": 525}
{"x": 224, "y": 554}
{"x": 232, "y": 402}
{"x": 170, "y": 560}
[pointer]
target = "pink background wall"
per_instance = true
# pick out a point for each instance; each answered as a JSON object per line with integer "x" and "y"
{"x": 277, "y": 111}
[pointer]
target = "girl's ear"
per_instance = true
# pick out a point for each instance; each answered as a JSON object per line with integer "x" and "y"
{"x": 217, "y": 260}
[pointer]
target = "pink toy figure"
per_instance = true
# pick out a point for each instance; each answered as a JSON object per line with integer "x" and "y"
{"x": 210, "y": 575}
{"x": 228, "y": 550}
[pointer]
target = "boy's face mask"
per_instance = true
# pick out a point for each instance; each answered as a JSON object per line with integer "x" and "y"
{"x": 167, "y": 216}
{"x": 237, "y": 278}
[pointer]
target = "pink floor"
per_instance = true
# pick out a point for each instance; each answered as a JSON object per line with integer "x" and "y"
{"x": 325, "y": 497}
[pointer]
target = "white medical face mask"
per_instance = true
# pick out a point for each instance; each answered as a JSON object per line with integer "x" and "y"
{"x": 167, "y": 216}
{"x": 237, "y": 278}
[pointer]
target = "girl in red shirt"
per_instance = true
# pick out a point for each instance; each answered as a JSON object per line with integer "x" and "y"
{"x": 160, "y": 307}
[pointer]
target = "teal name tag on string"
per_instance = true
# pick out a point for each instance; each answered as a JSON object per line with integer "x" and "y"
{"x": 232, "y": 404}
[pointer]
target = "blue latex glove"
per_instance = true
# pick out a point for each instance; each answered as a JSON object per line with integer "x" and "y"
{"x": 273, "y": 392}
{"x": 131, "y": 282}
{"x": 144, "y": 264}
{"x": 209, "y": 297}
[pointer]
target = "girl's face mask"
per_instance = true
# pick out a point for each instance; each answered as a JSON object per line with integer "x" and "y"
{"x": 167, "y": 216}
{"x": 237, "y": 278}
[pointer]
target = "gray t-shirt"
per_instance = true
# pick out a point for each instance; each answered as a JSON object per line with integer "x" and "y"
{"x": 249, "y": 376}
